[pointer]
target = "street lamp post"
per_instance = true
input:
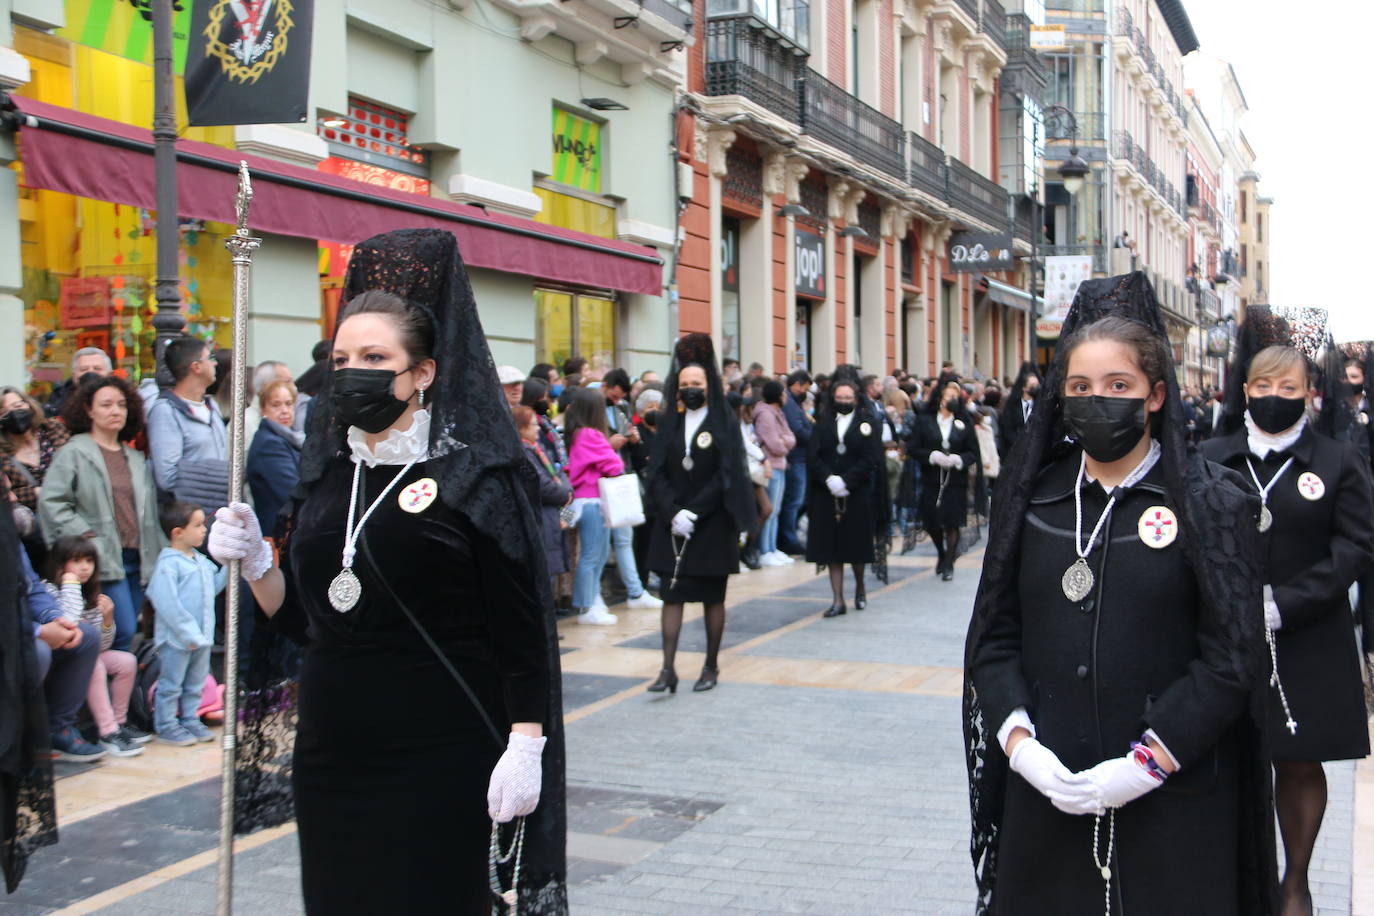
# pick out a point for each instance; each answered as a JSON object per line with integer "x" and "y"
{"x": 168, "y": 322}
{"x": 1072, "y": 171}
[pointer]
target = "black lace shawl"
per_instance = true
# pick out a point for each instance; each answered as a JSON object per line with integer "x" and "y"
{"x": 1217, "y": 527}
{"x": 697, "y": 350}
{"x": 1308, "y": 331}
{"x": 28, "y": 820}
{"x": 482, "y": 473}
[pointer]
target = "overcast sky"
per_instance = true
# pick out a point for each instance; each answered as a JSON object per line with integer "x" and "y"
{"x": 1309, "y": 125}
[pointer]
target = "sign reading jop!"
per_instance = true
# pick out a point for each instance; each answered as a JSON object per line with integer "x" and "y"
{"x": 808, "y": 267}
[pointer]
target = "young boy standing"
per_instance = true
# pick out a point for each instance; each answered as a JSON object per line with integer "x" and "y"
{"x": 182, "y": 591}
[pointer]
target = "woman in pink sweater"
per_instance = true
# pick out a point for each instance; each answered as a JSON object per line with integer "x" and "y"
{"x": 590, "y": 458}
{"x": 777, "y": 440}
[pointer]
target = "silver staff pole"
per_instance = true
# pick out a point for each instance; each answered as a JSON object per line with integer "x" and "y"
{"x": 241, "y": 247}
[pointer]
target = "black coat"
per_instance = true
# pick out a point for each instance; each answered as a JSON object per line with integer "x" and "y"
{"x": 1011, "y": 425}
{"x": 273, "y": 469}
{"x": 713, "y": 550}
{"x": 1140, "y": 652}
{"x": 554, "y": 492}
{"x": 850, "y": 539}
{"x": 1314, "y": 551}
{"x": 944, "y": 492}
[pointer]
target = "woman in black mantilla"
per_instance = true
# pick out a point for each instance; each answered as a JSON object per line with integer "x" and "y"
{"x": 845, "y": 459}
{"x": 1317, "y": 540}
{"x": 1113, "y": 650}
{"x": 702, "y": 498}
{"x": 945, "y": 445}
{"x": 412, "y": 568}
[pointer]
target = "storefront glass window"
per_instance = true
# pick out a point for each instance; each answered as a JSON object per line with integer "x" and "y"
{"x": 568, "y": 324}
{"x": 729, "y": 281}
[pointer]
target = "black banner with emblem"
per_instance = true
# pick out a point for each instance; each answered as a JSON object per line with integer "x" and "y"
{"x": 248, "y": 61}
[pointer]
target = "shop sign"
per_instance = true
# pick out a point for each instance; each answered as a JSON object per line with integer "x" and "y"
{"x": 576, "y": 151}
{"x": 971, "y": 252}
{"x": 808, "y": 257}
{"x": 1063, "y": 273}
{"x": 1048, "y": 37}
{"x": 85, "y": 302}
{"x": 117, "y": 27}
{"x": 249, "y": 63}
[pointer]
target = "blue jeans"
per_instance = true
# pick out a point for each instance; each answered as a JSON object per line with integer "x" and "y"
{"x": 768, "y": 534}
{"x": 591, "y": 560}
{"x": 66, "y": 676}
{"x": 793, "y": 497}
{"x": 127, "y": 595}
{"x": 180, "y": 683}
{"x": 623, "y": 543}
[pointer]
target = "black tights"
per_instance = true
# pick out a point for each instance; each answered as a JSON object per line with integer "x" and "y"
{"x": 837, "y": 580}
{"x": 1300, "y": 797}
{"x": 672, "y": 628}
{"x": 946, "y": 541}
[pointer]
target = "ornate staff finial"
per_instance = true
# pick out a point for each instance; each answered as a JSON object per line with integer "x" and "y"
{"x": 244, "y": 199}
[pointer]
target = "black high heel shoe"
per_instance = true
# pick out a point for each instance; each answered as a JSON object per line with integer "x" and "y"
{"x": 835, "y": 610}
{"x": 860, "y": 599}
{"x": 667, "y": 680}
{"x": 708, "y": 679}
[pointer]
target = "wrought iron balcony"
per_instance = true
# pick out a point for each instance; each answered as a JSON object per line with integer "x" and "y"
{"x": 992, "y": 21}
{"x": 743, "y": 59}
{"x": 1123, "y": 147}
{"x": 1092, "y": 125}
{"x": 1023, "y": 219}
{"x": 789, "y": 18}
{"x": 970, "y": 7}
{"x": 831, "y": 114}
{"x": 1208, "y": 302}
{"x": 1025, "y": 73}
{"x": 977, "y": 196}
{"x": 927, "y": 168}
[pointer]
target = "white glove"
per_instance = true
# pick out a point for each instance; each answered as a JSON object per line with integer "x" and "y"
{"x": 937, "y": 459}
{"x": 1118, "y": 781}
{"x": 954, "y": 461}
{"x": 236, "y": 535}
{"x": 835, "y": 483}
{"x": 1040, "y": 766}
{"x": 1272, "y": 620}
{"x": 684, "y": 523}
{"x": 516, "y": 779}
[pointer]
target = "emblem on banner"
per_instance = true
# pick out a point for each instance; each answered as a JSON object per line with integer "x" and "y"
{"x": 257, "y": 36}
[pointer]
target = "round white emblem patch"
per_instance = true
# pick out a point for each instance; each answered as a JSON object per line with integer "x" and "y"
{"x": 417, "y": 497}
{"x": 1311, "y": 486}
{"x": 1158, "y": 527}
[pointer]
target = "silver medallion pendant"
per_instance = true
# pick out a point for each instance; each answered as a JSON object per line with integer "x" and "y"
{"x": 1266, "y": 519}
{"x": 1077, "y": 581}
{"x": 841, "y": 449}
{"x": 345, "y": 591}
{"x": 687, "y": 463}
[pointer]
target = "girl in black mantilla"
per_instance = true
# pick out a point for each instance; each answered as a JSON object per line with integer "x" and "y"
{"x": 1113, "y": 650}
{"x": 413, "y": 569}
{"x": 845, "y": 458}
{"x": 1317, "y": 540}
{"x": 703, "y": 499}
{"x": 944, "y": 443}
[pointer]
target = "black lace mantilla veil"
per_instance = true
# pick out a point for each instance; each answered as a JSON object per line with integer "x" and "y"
{"x": 476, "y": 456}
{"x": 1308, "y": 331}
{"x": 1217, "y": 528}
{"x": 697, "y": 350}
{"x": 28, "y": 820}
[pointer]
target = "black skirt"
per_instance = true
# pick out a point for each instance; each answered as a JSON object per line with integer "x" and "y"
{"x": 706, "y": 589}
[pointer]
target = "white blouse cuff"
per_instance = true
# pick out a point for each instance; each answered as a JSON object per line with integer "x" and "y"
{"x": 1019, "y": 718}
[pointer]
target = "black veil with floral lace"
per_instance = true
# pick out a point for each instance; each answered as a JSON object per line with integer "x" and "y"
{"x": 482, "y": 472}
{"x": 1209, "y": 501}
{"x": 28, "y": 808}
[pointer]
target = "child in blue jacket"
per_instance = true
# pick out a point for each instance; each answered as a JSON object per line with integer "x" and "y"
{"x": 182, "y": 592}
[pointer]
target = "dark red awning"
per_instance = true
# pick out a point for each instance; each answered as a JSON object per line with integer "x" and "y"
{"x": 76, "y": 153}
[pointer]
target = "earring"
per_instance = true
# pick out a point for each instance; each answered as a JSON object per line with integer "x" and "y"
{"x": 422, "y": 397}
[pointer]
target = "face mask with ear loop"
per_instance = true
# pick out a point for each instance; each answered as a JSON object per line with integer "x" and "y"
{"x": 364, "y": 398}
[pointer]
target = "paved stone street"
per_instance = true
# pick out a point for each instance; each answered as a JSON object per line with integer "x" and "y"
{"x": 824, "y": 775}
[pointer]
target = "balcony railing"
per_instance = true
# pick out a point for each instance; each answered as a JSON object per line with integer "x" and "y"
{"x": 789, "y": 18}
{"x": 831, "y": 114}
{"x": 1056, "y": 8}
{"x": 1092, "y": 125}
{"x": 993, "y": 22}
{"x": 970, "y": 7}
{"x": 926, "y": 166}
{"x": 976, "y": 195}
{"x": 742, "y": 59}
{"x": 1023, "y": 221}
{"x": 1025, "y": 73}
{"x": 1123, "y": 147}
{"x": 1209, "y": 303}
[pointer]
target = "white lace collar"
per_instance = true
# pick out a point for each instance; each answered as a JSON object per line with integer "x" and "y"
{"x": 1262, "y": 443}
{"x": 399, "y": 446}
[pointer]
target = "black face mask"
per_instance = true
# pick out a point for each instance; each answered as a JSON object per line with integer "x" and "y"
{"x": 363, "y": 398}
{"x": 1032, "y": 390}
{"x": 692, "y": 398}
{"x": 799, "y": 398}
{"x": 844, "y": 407}
{"x": 1274, "y": 414}
{"x": 17, "y": 422}
{"x": 650, "y": 418}
{"x": 541, "y": 408}
{"x": 1107, "y": 428}
{"x": 952, "y": 405}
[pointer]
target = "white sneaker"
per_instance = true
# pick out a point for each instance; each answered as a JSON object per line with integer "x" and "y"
{"x": 597, "y": 617}
{"x": 782, "y": 558}
{"x": 645, "y": 601}
{"x": 599, "y": 605}
{"x": 772, "y": 559}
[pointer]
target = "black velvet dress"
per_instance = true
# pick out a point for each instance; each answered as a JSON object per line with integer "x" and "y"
{"x": 392, "y": 758}
{"x": 848, "y": 538}
{"x": 1137, "y": 653}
